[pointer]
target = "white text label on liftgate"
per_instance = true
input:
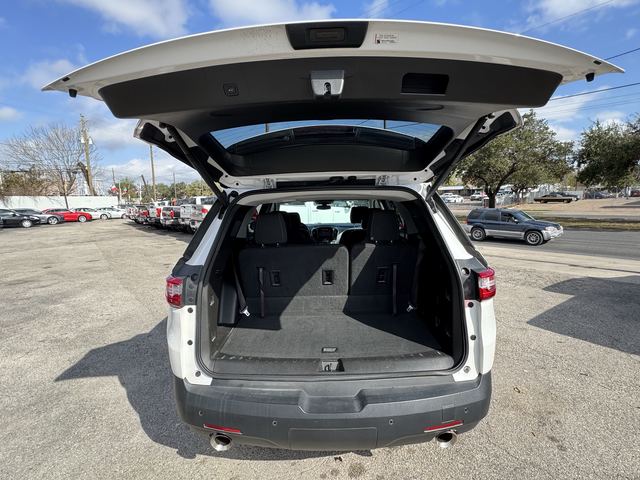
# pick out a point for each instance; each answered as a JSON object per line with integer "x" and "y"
{"x": 386, "y": 38}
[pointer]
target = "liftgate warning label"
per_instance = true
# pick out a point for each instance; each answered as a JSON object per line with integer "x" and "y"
{"x": 385, "y": 38}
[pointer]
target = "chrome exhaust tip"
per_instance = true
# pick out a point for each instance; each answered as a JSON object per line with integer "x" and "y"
{"x": 220, "y": 443}
{"x": 447, "y": 439}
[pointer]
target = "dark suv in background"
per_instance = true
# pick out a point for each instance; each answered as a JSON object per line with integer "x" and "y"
{"x": 510, "y": 223}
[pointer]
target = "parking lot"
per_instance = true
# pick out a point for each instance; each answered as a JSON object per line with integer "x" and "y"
{"x": 87, "y": 389}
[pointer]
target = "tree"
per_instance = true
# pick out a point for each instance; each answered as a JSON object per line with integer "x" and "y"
{"x": 54, "y": 151}
{"x": 198, "y": 188}
{"x": 526, "y": 157}
{"x": 609, "y": 154}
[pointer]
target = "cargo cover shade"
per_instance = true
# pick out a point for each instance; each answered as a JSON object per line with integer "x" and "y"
{"x": 388, "y": 70}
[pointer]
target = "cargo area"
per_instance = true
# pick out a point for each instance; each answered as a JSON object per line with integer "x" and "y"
{"x": 373, "y": 294}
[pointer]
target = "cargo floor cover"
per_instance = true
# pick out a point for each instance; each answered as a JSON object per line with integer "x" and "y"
{"x": 352, "y": 335}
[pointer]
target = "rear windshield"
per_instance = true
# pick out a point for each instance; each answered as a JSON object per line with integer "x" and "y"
{"x": 320, "y": 212}
{"x": 230, "y": 136}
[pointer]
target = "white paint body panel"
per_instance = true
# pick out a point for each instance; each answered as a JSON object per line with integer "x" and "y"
{"x": 181, "y": 327}
{"x": 270, "y": 42}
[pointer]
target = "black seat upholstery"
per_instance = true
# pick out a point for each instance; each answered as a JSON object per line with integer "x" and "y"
{"x": 355, "y": 235}
{"x": 297, "y": 232}
{"x": 274, "y": 269}
{"x": 382, "y": 267}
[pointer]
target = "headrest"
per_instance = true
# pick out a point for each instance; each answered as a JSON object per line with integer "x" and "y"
{"x": 271, "y": 229}
{"x": 293, "y": 218}
{"x": 358, "y": 214}
{"x": 384, "y": 226}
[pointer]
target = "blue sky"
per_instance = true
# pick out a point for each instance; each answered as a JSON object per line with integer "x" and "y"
{"x": 44, "y": 39}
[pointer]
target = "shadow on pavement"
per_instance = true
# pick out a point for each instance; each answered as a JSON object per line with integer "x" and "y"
{"x": 142, "y": 367}
{"x": 600, "y": 311}
{"x": 177, "y": 234}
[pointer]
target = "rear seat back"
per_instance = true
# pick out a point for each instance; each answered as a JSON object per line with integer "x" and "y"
{"x": 373, "y": 263}
{"x": 291, "y": 270}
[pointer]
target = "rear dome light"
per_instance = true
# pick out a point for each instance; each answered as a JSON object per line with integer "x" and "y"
{"x": 487, "y": 284}
{"x": 174, "y": 291}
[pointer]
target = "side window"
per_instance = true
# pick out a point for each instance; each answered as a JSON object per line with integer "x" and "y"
{"x": 508, "y": 218}
{"x": 492, "y": 216}
{"x": 474, "y": 214}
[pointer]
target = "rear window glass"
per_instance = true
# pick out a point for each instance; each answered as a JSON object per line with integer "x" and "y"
{"x": 230, "y": 136}
{"x": 473, "y": 214}
{"x": 319, "y": 212}
{"x": 492, "y": 215}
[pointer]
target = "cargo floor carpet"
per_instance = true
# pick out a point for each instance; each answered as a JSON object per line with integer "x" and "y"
{"x": 354, "y": 335}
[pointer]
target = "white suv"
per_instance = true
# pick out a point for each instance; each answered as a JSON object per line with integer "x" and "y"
{"x": 333, "y": 333}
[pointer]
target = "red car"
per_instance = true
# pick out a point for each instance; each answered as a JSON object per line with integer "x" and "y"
{"x": 70, "y": 216}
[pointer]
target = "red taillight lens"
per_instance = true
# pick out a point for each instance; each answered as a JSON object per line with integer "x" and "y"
{"x": 172, "y": 214}
{"x": 486, "y": 284}
{"x": 204, "y": 211}
{"x": 174, "y": 291}
{"x": 158, "y": 212}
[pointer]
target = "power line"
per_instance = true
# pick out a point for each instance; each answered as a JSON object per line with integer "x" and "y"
{"x": 579, "y": 101}
{"x": 576, "y": 13}
{"x": 623, "y": 53}
{"x": 595, "y": 91}
{"x": 407, "y": 8}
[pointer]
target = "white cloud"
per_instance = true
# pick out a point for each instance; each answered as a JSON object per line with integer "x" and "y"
{"x": 565, "y": 134}
{"x": 251, "y": 12}
{"x": 155, "y": 18}
{"x": 543, "y": 11}
{"x": 8, "y": 113}
{"x": 566, "y": 109}
{"x": 610, "y": 116}
{"x": 40, "y": 73}
{"x": 375, "y": 8}
{"x": 629, "y": 34}
{"x": 164, "y": 166}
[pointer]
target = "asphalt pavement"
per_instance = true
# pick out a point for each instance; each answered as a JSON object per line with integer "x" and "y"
{"x": 616, "y": 244}
{"x": 86, "y": 389}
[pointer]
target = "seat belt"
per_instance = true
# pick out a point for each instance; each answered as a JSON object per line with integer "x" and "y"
{"x": 261, "y": 288}
{"x": 243, "y": 309}
{"x": 413, "y": 295}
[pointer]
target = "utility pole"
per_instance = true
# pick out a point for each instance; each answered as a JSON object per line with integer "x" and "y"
{"x": 85, "y": 141}
{"x": 113, "y": 173}
{"x": 153, "y": 173}
{"x": 175, "y": 191}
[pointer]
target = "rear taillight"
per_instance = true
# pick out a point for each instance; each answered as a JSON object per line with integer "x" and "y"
{"x": 486, "y": 284}
{"x": 174, "y": 291}
{"x": 158, "y": 210}
{"x": 172, "y": 214}
{"x": 204, "y": 211}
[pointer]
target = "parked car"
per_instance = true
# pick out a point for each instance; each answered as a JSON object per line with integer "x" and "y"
{"x": 141, "y": 215}
{"x": 114, "y": 212}
{"x": 11, "y": 218}
{"x": 100, "y": 213}
{"x": 596, "y": 195}
{"x": 155, "y": 209}
{"x": 510, "y": 223}
{"x": 478, "y": 196}
{"x": 198, "y": 213}
{"x": 170, "y": 217}
{"x": 573, "y": 196}
{"x": 70, "y": 215}
{"x": 452, "y": 198}
{"x": 49, "y": 218}
{"x": 348, "y": 344}
{"x": 555, "y": 197}
{"x": 635, "y": 193}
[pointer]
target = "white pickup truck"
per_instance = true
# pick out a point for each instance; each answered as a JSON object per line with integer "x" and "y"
{"x": 154, "y": 212}
{"x": 198, "y": 213}
{"x": 188, "y": 208}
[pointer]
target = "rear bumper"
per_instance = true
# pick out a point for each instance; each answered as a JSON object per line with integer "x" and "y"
{"x": 293, "y": 419}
